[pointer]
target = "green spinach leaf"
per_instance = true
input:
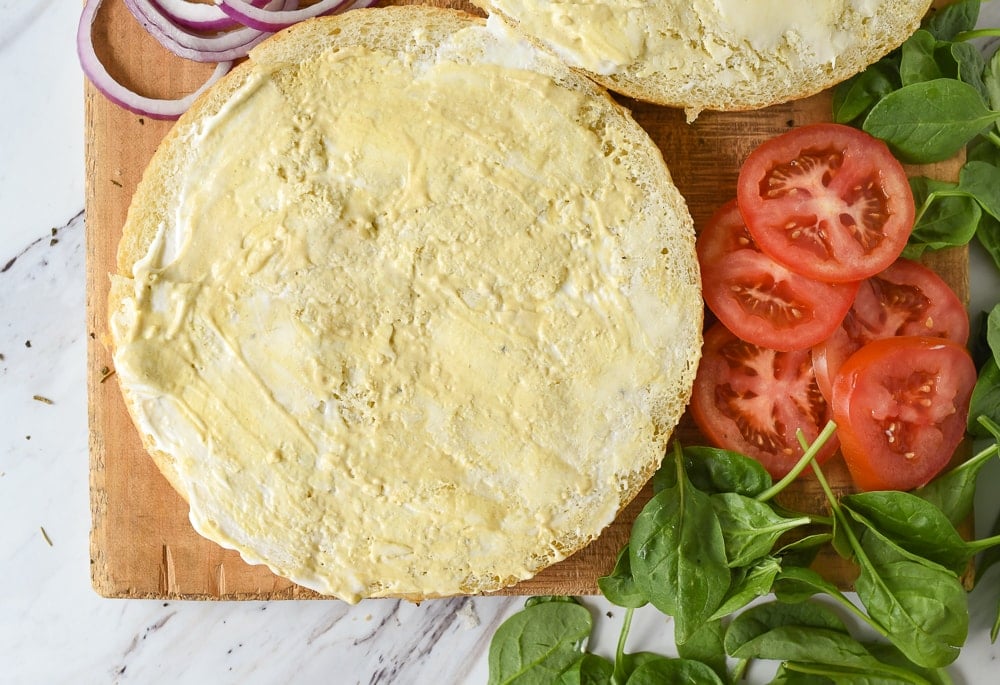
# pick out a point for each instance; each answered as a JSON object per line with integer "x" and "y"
{"x": 914, "y": 524}
{"x": 988, "y": 236}
{"x": 619, "y": 587}
{"x": 589, "y": 669}
{"x": 750, "y": 528}
{"x": 665, "y": 671}
{"x": 985, "y": 398}
{"x": 854, "y": 98}
{"x": 539, "y": 643}
{"x": 714, "y": 470}
{"x": 678, "y": 555}
{"x": 918, "y": 62}
{"x": 748, "y": 584}
{"x": 929, "y": 121}
{"x": 947, "y": 216}
{"x": 922, "y": 607}
{"x": 946, "y": 23}
{"x": 706, "y": 646}
{"x": 953, "y": 492}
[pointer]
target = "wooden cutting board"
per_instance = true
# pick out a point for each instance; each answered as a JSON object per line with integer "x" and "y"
{"x": 142, "y": 545}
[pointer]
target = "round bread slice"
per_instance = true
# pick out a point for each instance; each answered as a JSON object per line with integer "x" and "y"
{"x": 726, "y": 55}
{"x": 405, "y": 307}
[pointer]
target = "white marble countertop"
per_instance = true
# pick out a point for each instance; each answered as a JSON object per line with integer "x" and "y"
{"x": 53, "y": 627}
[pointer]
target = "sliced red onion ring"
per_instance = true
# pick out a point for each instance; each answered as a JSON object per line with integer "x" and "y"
{"x": 116, "y": 92}
{"x": 275, "y": 20}
{"x": 225, "y": 46}
{"x": 197, "y": 16}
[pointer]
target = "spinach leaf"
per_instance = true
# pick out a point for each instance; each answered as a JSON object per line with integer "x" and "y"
{"x": 713, "y": 470}
{"x": 539, "y": 643}
{"x": 804, "y": 631}
{"x": 787, "y": 676}
{"x": 849, "y": 675}
{"x": 922, "y": 608}
{"x": 981, "y": 180}
{"x": 929, "y": 121}
{"x": 947, "y": 22}
{"x": 619, "y": 587}
{"x": 966, "y": 63}
{"x": 542, "y": 599}
{"x": 988, "y": 236}
{"x": 985, "y": 398}
{"x": 914, "y": 524}
{"x": 809, "y": 638}
{"x": 947, "y": 216}
{"x": 888, "y": 654}
{"x": 797, "y": 584}
{"x": 854, "y": 98}
{"x": 802, "y": 552}
{"x": 748, "y": 584}
{"x": 750, "y": 528}
{"x": 626, "y": 664}
{"x": 953, "y": 492}
{"x": 706, "y": 646}
{"x": 918, "y": 62}
{"x": 991, "y": 79}
{"x": 589, "y": 669}
{"x": 677, "y": 554}
{"x": 993, "y": 332}
{"x": 664, "y": 671}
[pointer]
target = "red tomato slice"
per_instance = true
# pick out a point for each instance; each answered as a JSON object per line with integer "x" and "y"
{"x": 757, "y": 298}
{"x": 827, "y": 201}
{"x": 900, "y": 405}
{"x": 905, "y": 299}
{"x": 752, "y": 400}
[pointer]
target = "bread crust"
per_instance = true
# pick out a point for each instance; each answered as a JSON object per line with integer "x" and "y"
{"x": 416, "y": 31}
{"x": 769, "y": 78}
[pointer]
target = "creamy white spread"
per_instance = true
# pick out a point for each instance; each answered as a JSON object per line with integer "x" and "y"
{"x": 607, "y": 36}
{"x": 390, "y": 332}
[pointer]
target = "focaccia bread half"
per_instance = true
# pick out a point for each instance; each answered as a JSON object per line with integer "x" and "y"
{"x": 405, "y": 307}
{"x": 726, "y": 55}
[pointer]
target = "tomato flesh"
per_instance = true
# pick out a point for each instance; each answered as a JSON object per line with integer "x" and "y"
{"x": 757, "y": 298}
{"x": 905, "y": 299}
{"x": 827, "y": 201}
{"x": 900, "y": 405}
{"x": 753, "y": 400}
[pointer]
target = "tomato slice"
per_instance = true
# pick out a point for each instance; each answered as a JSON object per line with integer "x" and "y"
{"x": 900, "y": 405}
{"x": 827, "y": 201}
{"x": 905, "y": 299}
{"x": 759, "y": 299}
{"x": 752, "y": 400}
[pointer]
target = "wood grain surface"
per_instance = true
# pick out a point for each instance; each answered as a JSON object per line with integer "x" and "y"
{"x": 142, "y": 545}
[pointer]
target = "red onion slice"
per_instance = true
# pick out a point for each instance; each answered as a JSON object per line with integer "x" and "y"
{"x": 199, "y": 16}
{"x": 225, "y": 46}
{"x": 275, "y": 20}
{"x": 116, "y": 92}
{"x": 196, "y": 15}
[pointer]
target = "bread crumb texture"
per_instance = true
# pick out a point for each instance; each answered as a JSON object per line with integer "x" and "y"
{"x": 405, "y": 309}
{"x": 715, "y": 54}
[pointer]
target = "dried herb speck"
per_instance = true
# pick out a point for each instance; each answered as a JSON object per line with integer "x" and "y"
{"x": 42, "y": 399}
{"x": 45, "y": 535}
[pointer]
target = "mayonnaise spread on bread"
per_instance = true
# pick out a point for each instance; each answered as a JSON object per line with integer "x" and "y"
{"x": 397, "y": 333}
{"x": 605, "y": 36}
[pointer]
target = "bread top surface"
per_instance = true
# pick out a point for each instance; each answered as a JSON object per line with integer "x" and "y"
{"x": 715, "y": 54}
{"x": 405, "y": 307}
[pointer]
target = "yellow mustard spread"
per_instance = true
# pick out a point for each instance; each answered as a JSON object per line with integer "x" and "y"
{"x": 386, "y": 331}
